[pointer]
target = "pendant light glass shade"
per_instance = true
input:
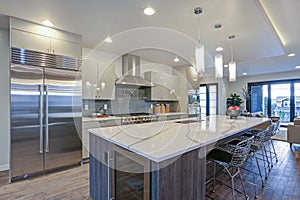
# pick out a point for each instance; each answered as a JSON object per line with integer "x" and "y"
{"x": 232, "y": 71}
{"x": 232, "y": 64}
{"x": 219, "y": 56}
{"x": 200, "y": 62}
{"x": 219, "y": 66}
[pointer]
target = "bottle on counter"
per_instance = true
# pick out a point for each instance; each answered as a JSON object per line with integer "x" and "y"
{"x": 162, "y": 108}
{"x": 157, "y": 109}
{"x": 167, "y": 108}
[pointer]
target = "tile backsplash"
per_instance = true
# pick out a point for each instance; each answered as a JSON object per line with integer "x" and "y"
{"x": 128, "y": 100}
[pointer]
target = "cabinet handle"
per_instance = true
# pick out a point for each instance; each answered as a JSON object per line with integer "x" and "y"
{"x": 48, "y": 50}
{"x": 53, "y": 51}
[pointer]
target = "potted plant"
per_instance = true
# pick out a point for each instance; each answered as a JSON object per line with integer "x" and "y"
{"x": 233, "y": 105}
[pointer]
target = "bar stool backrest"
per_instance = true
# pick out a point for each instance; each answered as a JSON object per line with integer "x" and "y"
{"x": 277, "y": 126}
{"x": 270, "y": 131}
{"x": 241, "y": 152}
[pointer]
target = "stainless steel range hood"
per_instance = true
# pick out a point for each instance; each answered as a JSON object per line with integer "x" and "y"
{"x": 131, "y": 72}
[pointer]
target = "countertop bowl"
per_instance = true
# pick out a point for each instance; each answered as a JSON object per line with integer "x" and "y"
{"x": 233, "y": 114}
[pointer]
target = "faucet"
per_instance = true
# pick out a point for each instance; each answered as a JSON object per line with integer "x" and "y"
{"x": 197, "y": 103}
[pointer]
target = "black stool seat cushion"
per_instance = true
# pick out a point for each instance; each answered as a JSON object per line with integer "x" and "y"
{"x": 234, "y": 142}
{"x": 219, "y": 155}
{"x": 249, "y": 134}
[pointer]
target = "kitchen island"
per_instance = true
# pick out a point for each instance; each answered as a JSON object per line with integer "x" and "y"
{"x": 159, "y": 160}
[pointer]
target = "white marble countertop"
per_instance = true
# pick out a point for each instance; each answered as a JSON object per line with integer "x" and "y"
{"x": 159, "y": 141}
{"x": 87, "y": 119}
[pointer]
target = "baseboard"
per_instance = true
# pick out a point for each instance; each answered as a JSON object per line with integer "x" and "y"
{"x": 4, "y": 167}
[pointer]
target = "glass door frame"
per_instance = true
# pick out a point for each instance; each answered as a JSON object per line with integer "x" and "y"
{"x": 207, "y": 97}
{"x": 269, "y": 83}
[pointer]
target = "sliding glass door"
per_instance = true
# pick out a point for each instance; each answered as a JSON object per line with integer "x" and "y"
{"x": 276, "y": 98}
{"x": 280, "y": 101}
{"x": 297, "y": 99}
{"x": 259, "y": 98}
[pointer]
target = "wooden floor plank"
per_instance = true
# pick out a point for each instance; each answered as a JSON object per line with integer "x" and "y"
{"x": 283, "y": 182}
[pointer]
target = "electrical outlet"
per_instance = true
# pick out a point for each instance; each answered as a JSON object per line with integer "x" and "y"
{"x": 86, "y": 107}
{"x": 105, "y": 107}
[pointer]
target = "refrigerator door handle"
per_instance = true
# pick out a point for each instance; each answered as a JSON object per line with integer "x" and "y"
{"x": 46, "y": 121}
{"x": 41, "y": 117}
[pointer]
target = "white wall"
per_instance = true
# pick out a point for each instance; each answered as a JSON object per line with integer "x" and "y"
{"x": 4, "y": 101}
{"x": 236, "y": 87}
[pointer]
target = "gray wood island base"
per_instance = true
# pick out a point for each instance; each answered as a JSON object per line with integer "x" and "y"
{"x": 141, "y": 162}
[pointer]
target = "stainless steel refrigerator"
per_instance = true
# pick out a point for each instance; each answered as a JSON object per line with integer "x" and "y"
{"x": 45, "y": 112}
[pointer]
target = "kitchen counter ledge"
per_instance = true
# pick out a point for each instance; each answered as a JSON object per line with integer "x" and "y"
{"x": 159, "y": 141}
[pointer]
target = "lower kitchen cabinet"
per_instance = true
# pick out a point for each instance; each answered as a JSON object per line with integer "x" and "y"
{"x": 86, "y": 125}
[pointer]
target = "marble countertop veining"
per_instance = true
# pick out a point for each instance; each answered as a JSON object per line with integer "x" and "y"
{"x": 162, "y": 140}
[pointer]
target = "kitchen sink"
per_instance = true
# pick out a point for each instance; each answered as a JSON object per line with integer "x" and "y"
{"x": 187, "y": 121}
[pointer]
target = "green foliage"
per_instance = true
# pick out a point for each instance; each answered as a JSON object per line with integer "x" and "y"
{"x": 234, "y": 100}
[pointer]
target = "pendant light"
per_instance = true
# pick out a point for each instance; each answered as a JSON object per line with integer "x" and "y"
{"x": 218, "y": 57}
{"x": 199, "y": 50}
{"x": 232, "y": 64}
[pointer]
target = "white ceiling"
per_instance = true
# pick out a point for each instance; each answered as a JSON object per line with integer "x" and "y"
{"x": 266, "y": 30}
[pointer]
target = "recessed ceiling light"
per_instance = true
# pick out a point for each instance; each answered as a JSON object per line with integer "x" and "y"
{"x": 176, "y": 59}
{"x": 195, "y": 79}
{"x": 225, "y": 66}
{"x": 149, "y": 11}
{"x": 291, "y": 55}
{"x": 108, "y": 40}
{"x": 218, "y": 49}
{"x": 47, "y": 22}
{"x": 297, "y": 67}
{"x": 244, "y": 74}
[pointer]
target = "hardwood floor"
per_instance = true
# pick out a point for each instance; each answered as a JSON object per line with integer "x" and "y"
{"x": 283, "y": 182}
{"x": 3, "y": 177}
{"x": 69, "y": 184}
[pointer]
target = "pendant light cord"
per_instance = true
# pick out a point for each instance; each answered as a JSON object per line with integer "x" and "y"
{"x": 231, "y": 37}
{"x": 199, "y": 30}
{"x": 231, "y": 49}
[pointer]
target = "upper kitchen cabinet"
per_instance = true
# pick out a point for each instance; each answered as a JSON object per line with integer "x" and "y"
{"x": 166, "y": 86}
{"x": 35, "y": 37}
{"x": 65, "y": 48}
{"x": 89, "y": 79}
{"x": 106, "y": 81}
{"x": 98, "y": 80}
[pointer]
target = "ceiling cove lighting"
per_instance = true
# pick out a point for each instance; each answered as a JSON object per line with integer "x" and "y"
{"x": 199, "y": 50}
{"x": 149, "y": 11}
{"x": 272, "y": 21}
{"x": 108, "y": 40}
{"x": 47, "y": 22}
{"x": 297, "y": 67}
{"x": 232, "y": 64}
{"x": 218, "y": 57}
{"x": 291, "y": 55}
